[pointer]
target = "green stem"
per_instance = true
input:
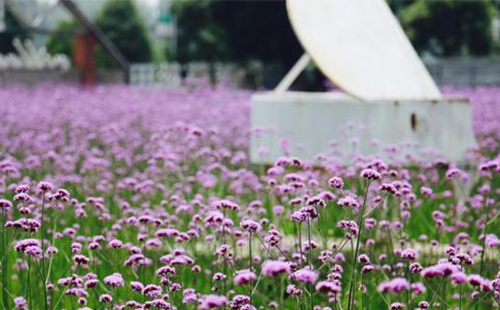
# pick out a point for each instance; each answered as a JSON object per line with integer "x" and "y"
{"x": 310, "y": 260}
{"x": 5, "y": 298}
{"x": 460, "y": 298}
{"x": 42, "y": 236}
{"x": 354, "y": 259}
{"x": 309, "y": 240}
{"x": 250, "y": 261}
{"x": 409, "y": 277}
{"x": 300, "y": 243}
{"x": 28, "y": 286}
{"x": 320, "y": 227}
{"x": 485, "y": 231}
{"x": 224, "y": 257}
{"x": 443, "y": 294}
{"x": 113, "y": 300}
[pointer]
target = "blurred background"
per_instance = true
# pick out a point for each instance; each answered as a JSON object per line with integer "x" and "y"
{"x": 243, "y": 44}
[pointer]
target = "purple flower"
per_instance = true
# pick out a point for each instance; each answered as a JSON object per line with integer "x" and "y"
{"x": 441, "y": 269}
{"x": 336, "y": 182}
{"x": 212, "y": 302}
{"x": 396, "y": 306}
{"x": 386, "y": 187}
{"x": 348, "y": 201}
{"x": 364, "y": 259}
{"x": 350, "y": 226}
{"x": 328, "y": 287}
{"x": 23, "y": 197}
{"x": 370, "y": 174}
{"x": 453, "y": 173}
{"x": 367, "y": 268}
{"x": 21, "y": 303}
{"x": 394, "y": 286}
{"x": 306, "y": 276}
{"x": 409, "y": 254}
{"x": 22, "y": 245}
{"x": 416, "y": 268}
{"x": 45, "y": 186}
{"x": 274, "y": 268}
{"x": 81, "y": 260}
{"x": 417, "y": 288}
{"x": 61, "y": 194}
{"x": 136, "y": 286}
{"x": 293, "y": 290}
{"x": 219, "y": 276}
{"x": 152, "y": 291}
{"x": 250, "y": 226}
{"x": 475, "y": 280}
{"x": 115, "y": 244}
{"x": 166, "y": 271}
{"x": 114, "y": 280}
{"x": 426, "y": 191}
{"x": 105, "y": 298}
{"x": 239, "y": 300}
{"x": 22, "y": 188}
{"x": 5, "y": 204}
{"x": 226, "y": 204}
{"x": 458, "y": 278}
{"x": 244, "y": 277}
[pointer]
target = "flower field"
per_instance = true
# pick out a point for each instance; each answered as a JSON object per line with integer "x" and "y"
{"x": 142, "y": 198}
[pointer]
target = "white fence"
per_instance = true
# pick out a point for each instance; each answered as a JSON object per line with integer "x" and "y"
{"x": 465, "y": 71}
{"x": 445, "y": 71}
{"x": 174, "y": 74}
{"x": 150, "y": 74}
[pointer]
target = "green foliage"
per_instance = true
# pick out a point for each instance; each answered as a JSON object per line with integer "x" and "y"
{"x": 15, "y": 30}
{"x": 243, "y": 31}
{"x": 239, "y": 31}
{"x": 399, "y": 5}
{"x": 63, "y": 41}
{"x": 450, "y": 28}
{"x": 258, "y": 30}
{"x": 199, "y": 36}
{"x": 120, "y": 21}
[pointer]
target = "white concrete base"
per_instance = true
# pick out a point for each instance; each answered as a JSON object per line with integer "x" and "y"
{"x": 310, "y": 121}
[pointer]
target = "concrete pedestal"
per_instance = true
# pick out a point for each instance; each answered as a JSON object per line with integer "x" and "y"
{"x": 310, "y": 121}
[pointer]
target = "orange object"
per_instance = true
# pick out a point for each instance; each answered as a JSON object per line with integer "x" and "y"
{"x": 84, "y": 58}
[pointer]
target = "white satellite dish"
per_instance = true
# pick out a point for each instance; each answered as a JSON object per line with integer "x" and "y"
{"x": 360, "y": 46}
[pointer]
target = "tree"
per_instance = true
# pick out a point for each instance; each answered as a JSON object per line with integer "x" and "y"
{"x": 14, "y": 30}
{"x": 120, "y": 21}
{"x": 450, "y": 28}
{"x": 258, "y": 30}
{"x": 397, "y": 6}
{"x": 239, "y": 31}
{"x": 199, "y": 37}
{"x": 62, "y": 41}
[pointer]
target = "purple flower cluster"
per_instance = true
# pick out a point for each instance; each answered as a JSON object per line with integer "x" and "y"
{"x": 145, "y": 198}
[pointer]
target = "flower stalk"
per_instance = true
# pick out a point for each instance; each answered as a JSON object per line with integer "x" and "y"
{"x": 356, "y": 251}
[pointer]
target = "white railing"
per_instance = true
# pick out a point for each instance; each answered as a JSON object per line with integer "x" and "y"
{"x": 174, "y": 74}
{"x": 462, "y": 71}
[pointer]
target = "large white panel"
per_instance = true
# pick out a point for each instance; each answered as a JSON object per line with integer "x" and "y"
{"x": 310, "y": 121}
{"x": 360, "y": 46}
